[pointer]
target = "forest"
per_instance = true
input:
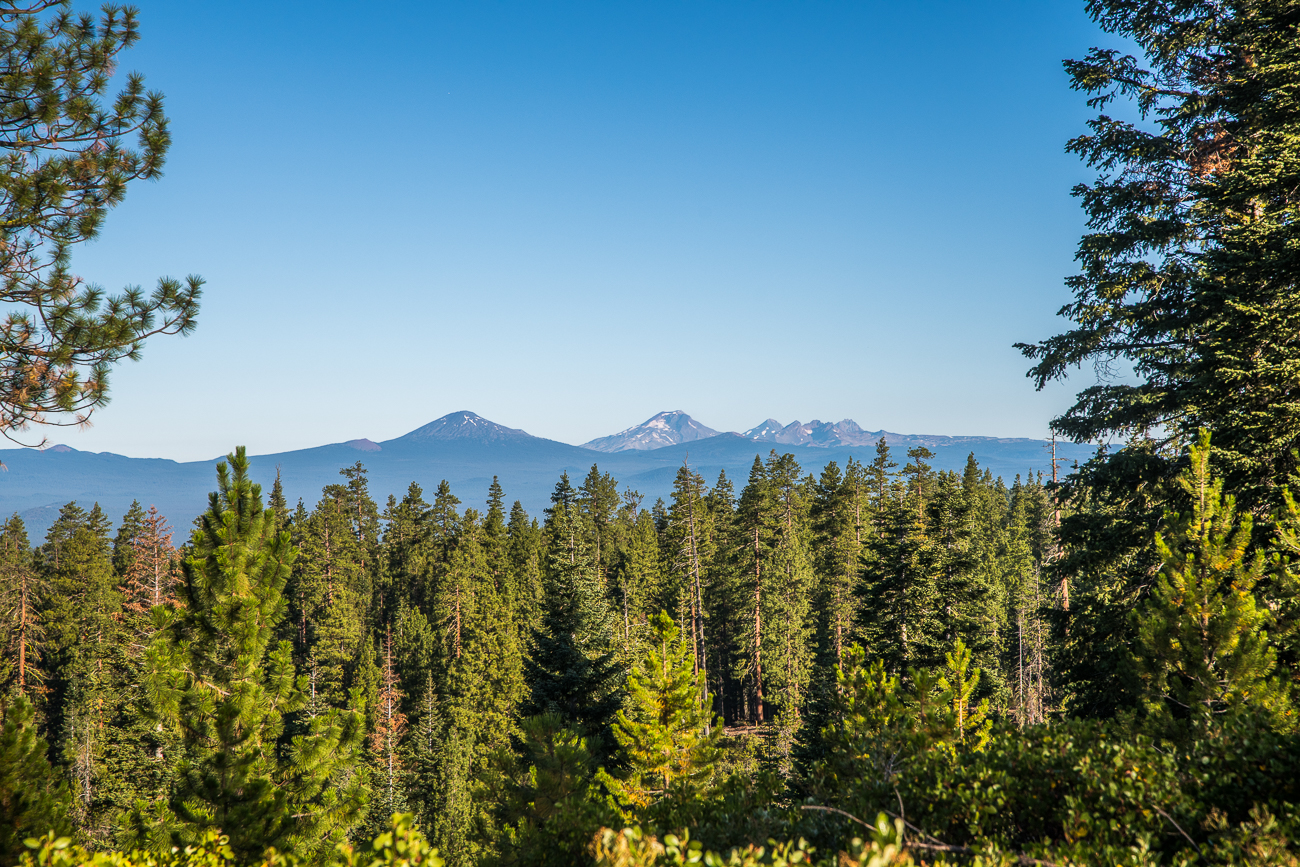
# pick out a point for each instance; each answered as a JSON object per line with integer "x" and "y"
{"x": 881, "y": 637}
{"x": 882, "y": 664}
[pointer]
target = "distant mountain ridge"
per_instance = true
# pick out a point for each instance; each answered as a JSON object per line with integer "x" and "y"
{"x": 467, "y": 451}
{"x": 676, "y": 428}
{"x": 815, "y": 433}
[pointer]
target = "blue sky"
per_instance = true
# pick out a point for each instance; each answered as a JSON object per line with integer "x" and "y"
{"x": 569, "y": 216}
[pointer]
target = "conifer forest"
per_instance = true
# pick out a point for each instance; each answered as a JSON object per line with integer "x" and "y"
{"x": 880, "y": 664}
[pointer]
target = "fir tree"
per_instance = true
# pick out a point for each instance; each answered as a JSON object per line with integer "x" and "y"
{"x": 333, "y": 583}
{"x": 404, "y": 549}
{"x": 525, "y": 549}
{"x": 496, "y": 540}
{"x": 1185, "y": 272}
{"x": 752, "y": 570}
{"x": 958, "y": 683}
{"x": 82, "y": 609}
{"x": 690, "y": 547}
{"x": 278, "y": 505}
{"x": 151, "y": 576}
{"x": 902, "y": 606}
{"x": 640, "y": 575}
{"x": 545, "y": 797}
{"x": 598, "y": 502}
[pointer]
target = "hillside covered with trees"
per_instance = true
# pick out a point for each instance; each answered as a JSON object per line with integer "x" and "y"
{"x": 878, "y": 664}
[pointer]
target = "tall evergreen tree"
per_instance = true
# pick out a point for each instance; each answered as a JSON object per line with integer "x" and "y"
{"x": 123, "y": 549}
{"x": 386, "y": 741}
{"x": 668, "y": 739}
{"x": 1186, "y": 276}
{"x": 1203, "y": 645}
{"x": 640, "y": 574}
{"x": 526, "y": 551}
{"x": 214, "y": 675}
{"x": 69, "y": 155}
{"x": 902, "y": 607}
{"x": 690, "y": 546}
{"x": 572, "y": 668}
{"x": 33, "y": 800}
{"x": 21, "y": 590}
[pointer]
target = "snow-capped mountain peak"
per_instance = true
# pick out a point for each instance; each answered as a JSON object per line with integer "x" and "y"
{"x": 663, "y": 429}
{"x": 465, "y": 425}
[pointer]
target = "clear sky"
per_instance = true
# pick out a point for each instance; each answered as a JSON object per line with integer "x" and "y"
{"x": 569, "y": 216}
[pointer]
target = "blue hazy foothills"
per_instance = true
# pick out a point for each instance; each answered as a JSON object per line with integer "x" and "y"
{"x": 568, "y": 216}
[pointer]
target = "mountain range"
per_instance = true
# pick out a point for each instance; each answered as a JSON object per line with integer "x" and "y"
{"x": 676, "y": 427}
{"x": 468, "y": 450}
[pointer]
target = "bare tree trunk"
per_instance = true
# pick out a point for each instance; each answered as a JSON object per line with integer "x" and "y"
{"x": 758, "y": 630}
{"x": 23, "y": 603}
{"x": 697, "y": 599}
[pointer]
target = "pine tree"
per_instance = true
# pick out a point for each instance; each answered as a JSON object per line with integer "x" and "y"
{"x": 334, "y": 582}
{"x": 836, "y": 523}
{"x": 902, "y": 607}
{"x": 598, "y": 502}
{"x": 479, "y": 696}
{"x": 1203, "y": 644}
{"x": 669, "y": 744}
{"x": 788, "y": 644}
{"x": 526, "y": 551}
{"x": 640, "y": 575}
{"x": 83, "y": 633}
{"x": 1026, "y": 598}
{"x": 405, "y": 550}
{"x": 958, "y": 683}
{"x": 751, "y": 551}
{"x": 69, "y": 155}
{"x": 496, "y": 541}
{"x": 213, "y": 675}
{"x": 721, "y": 598}
{"x": 545, "y": 797}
